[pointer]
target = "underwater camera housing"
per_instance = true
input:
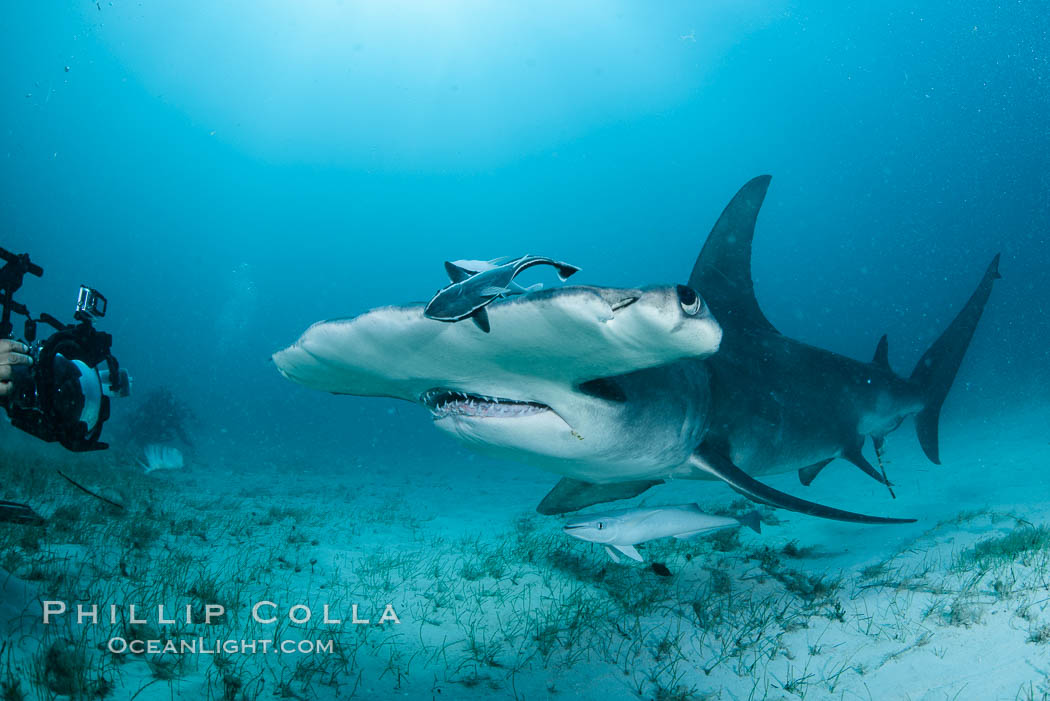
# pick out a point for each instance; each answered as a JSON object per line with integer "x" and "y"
{"x": 64, "y": 395}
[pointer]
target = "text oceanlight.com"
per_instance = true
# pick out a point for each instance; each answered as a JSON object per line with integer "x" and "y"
{"x": 202, "y": 646}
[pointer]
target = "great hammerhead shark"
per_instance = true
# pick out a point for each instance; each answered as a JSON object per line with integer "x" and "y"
{"x": 619, "y": 390}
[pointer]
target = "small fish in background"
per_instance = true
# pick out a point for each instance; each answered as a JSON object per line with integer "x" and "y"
{"x": 660, "y": 569}
{"x": 620, "y": 531}
{"x": 476, "y": 284}
{"x": 161, "y": 457}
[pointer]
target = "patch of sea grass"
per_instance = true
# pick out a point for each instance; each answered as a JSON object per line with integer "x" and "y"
{"x": 1021, "y": 545}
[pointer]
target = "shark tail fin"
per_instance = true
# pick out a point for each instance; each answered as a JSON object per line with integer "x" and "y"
{"x": 938, "y": 366}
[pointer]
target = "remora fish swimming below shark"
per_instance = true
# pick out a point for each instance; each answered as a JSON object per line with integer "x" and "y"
{"x": 619, "y": 390}
{"x": 624, "y": 529}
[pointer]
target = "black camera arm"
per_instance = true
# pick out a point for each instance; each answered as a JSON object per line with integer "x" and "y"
{"x": 16, "y": 267}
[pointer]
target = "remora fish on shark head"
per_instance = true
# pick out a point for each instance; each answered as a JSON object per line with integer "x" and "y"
{"x": 475, "y": 287}
{"x": 622, "y": 530}
{"x": 619, "y": 390}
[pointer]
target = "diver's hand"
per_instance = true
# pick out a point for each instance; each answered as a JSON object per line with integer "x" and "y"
{"x": 11, "y": 353}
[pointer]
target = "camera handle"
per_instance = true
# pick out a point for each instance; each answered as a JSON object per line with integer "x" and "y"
{"x": 16, "y": 267}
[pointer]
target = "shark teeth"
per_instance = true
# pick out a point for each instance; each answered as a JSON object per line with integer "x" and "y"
{"x": 445, "y": 402}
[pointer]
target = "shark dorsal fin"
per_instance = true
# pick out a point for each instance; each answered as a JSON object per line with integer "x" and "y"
{"x": 456, "y": 273}
{"x": 882, "y": 353}
{"x": 722, "y": 273}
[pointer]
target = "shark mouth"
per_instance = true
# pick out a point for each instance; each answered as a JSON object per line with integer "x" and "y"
{"x": 444, "y": 402}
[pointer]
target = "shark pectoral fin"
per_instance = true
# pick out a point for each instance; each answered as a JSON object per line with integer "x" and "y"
{"x": 858, "y": 459}
{"x": 630, "y": 552}
{"x": 456, "y": 273}
{"x": 712, "y": 463}
{"x": 612, "y": 554}
{"x": 807, "y": 474}
{"x": 573, "y": 495}
{"x": 480, "y": 317}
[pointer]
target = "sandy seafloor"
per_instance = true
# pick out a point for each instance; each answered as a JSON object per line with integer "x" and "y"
{"x": 495, "y": 602}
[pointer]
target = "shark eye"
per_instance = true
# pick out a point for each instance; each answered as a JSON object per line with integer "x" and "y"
{"x": 689, "y": 299}
{"x": 600, "y": 525}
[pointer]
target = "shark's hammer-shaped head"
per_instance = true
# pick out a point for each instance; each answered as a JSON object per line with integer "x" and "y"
{"x": 536, "y": 387}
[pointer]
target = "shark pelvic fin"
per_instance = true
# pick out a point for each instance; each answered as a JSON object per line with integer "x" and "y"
{"x": 882, "y": 353}
{"x": 707, "y": 461}
{"x": 807, "y": 474}
{"x": 722, "y": 272}
{"x": 573, "y": 495}
{"x": 480, "y": 317}
{"x": 456, "y": 273}
{"x": 856, "y": 457}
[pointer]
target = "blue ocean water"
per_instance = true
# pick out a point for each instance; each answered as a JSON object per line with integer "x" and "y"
{"x": 229, "y": 173}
